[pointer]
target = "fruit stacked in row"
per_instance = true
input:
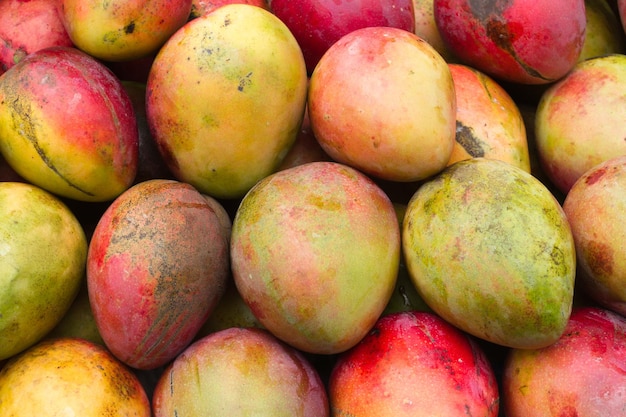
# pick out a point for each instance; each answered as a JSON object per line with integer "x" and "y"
{"x": 309, "y": 208}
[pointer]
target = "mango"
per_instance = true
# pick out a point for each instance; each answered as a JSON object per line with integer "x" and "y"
{"x": 43, "y": 252}
{"x": 81, "y": 378}
{"x": 315, "y": 253}
{"x": 157, "y": 266}
{"x": 225, "y": 99}
{"x": 490, "y": 250}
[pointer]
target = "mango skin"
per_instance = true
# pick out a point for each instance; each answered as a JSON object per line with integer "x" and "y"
{"x": 520, "y": 41}
{"x": 596, "y": 210}
{"x": 243, "y": 372}
{"x": 225, "y": 99}
{"x": 574, "y": 131}
{"x": 122, "y": 30}
{"x": 581, "y": 374}
{"x": 315, "y": 254}
{"x": 68, "y": 126}
{"x": 402, "y": 126}
{"x": 489, "y": 249}
{"x": 604, "y": 34}
{"x": 43, "y": 252}
{"x": 488, "y": 122}
{"x": 157, "y": 266}
{"x": 70, "y": 377}
{"x": 413, "y": 364}
{"x": 27, "y": 26}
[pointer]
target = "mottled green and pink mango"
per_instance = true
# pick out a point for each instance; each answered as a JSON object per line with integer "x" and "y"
{"x": 579, "y": 121}
{"x": 490, "y": 250}
{"x": 42, "y": 264}
{"x": 315, "y": 253}
{"x": 596, "y": 210}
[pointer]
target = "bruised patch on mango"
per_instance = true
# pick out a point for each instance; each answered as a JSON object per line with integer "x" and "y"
{"x": 599, "y": 258}
{"x": 490, "y": 14}
{"x": 466, "y": 138}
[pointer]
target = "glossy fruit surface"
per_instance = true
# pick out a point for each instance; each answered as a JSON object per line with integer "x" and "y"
{"x": 401, "y": 127}
{"x": 28, "y": 26}
{"x": 225, "y": 99}
{"x": 580, "y": 119}
{"x": 121, "y": 30}
{"x": 318, "y": 24}
{"x": 596, "y": 210}
{"x": 414, "y": 363}
{"x": 68, "y": 126}
{"x": 488, "y": 121}
{"x": 579, "y": 375}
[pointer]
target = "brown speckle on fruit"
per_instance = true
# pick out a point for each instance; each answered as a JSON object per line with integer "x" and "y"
{"x": 466, "y": 138}
{"x": 600, "y": 258}
{"x": 245, "y": 81}
{"x": 130, "y": 28}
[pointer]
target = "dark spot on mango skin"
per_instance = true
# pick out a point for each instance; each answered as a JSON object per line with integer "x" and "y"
{"x": 244, "y": 81}
{"x": 466, "y": 138}
{"x": 489, "y": 14}
{"x": 130, "y": 28}
{"x": 600, "y": 258}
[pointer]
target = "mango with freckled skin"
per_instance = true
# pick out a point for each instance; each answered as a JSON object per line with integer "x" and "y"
{"x": 226, "y": 96}
{"x": 122, "y": 30}
{"x": 68, "y": 126}
{"x": 43, "y": 251}
{"x": 574, "y": 131}
{"x": 157, "y": 266}
{"x": 490, "y": 250}
{"x": 70, "y": 377}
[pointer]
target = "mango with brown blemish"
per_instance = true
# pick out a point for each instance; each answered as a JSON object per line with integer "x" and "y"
{"x": 226, "y": 97}
{"x": 596, "y": 210}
